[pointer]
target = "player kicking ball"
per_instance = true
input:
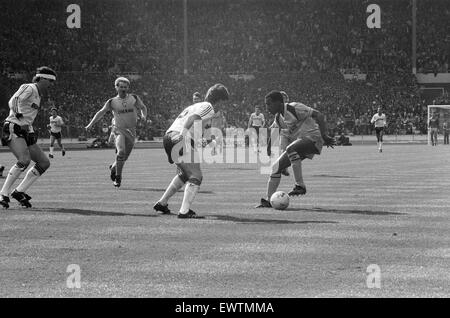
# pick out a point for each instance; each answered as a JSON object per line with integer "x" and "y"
{"x": 19, "y": 136}
{"x": 307, "y": 134}
{"x": 176, "y": 141}
{"x": 125, "y": 109}
{"x": 56, "y": 122}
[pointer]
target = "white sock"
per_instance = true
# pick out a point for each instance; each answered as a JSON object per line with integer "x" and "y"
{"x": 51, "y": 150}
{"x": 13, "y": 174}
{"x": 173, "y": 188}
{"x": 29, "y": 179}
{"x": 189, "y": 194}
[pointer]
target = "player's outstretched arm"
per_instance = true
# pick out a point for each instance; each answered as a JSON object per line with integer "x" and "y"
{"x": 319, "y": 118}
{"x": 99, "y": 114}
{"x": 142, "y": 107}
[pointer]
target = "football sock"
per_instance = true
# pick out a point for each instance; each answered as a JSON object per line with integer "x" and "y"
{"x": 190, "y": 191}
{"x": 51, "y": 150}
{"x": 272, "y": 185}
{"x": 13, "y": 174}
{"x": 296, "y": 164}
{"x": 173, "y": 187}
{"x": 119, "y": 167}
{"x": 31, "y": 176}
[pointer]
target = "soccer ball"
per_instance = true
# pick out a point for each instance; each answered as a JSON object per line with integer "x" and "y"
{"x": 279, "y": 200}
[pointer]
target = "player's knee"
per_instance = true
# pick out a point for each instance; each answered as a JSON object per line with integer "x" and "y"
{"x": 121, "y": 155}
{"x": 275, "y": 175}
{"x": 41, "y": 167}
{"x": 293, "y": 155}
{"x": 23, "y": 161}
{"x": 22, "y": 165}
{"x": 196, "y": 180}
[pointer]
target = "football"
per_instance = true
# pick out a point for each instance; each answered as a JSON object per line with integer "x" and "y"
{"x": 279, "y": 200}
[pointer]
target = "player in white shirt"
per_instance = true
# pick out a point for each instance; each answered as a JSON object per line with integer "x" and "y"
{"x": 180, "y": 149}
{"x": 379, "y": 121}
{"x": 56, "y": 122}
{"x": 256, "y": 121}
{"x": 19, "y": 136}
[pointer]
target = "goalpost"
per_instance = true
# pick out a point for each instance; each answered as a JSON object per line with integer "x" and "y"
{"x": 443, "y": 113}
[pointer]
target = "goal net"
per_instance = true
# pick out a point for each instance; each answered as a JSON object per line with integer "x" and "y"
{"x": 442, "y": 113}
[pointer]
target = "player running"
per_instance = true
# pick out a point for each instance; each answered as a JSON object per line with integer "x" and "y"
{"x": 307, "y": 134}
{"x": 56, "y": 122}
{"x": 125, "y": 108}
{"x": 177, "y": 140}
{"x": 379, "y": 121}
{"x": 19, "y": 136}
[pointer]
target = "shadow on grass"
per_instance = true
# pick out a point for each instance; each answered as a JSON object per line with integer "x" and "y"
{"x": 333, "y": 176}
{"x": 91, "y": 212}
{"x": 161, "y": 190}
{"x": 260, "y": 221}
{"x": 363, "y": 212}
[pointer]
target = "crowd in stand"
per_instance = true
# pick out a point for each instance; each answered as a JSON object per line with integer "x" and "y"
{"x": 299, "y": 46}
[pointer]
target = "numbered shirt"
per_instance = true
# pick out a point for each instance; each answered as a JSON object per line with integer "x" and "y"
{"x": 257, "y": 120}
{"x": 379, "y": 120}
{"x": 125, "y": 110}
{"x": 25, "y": 101}
{"x": 203, "y": 109}
{"x": 55, "y": 124}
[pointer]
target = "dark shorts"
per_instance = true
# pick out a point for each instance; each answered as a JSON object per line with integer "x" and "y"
{"x": 257, "y": 130}
{"x": 10, "y": 129}
{"x": 379, "y": 130}
{"x": 56, "y": 135}
{"x": 305, "y": 148}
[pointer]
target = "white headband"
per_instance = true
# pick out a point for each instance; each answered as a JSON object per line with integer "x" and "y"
{"x": 47, "y": 76}
{"x": 121, "y": 79}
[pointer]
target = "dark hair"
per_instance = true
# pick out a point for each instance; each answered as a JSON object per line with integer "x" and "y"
{"x": 43, "y": 70}
{"x": 216, "y": 93}
{"x": 275, "y": 96}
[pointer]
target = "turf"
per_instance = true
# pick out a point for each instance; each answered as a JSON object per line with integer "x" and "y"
{"x": 362, "y": 207}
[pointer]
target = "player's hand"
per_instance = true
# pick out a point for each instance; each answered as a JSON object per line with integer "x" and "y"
{"x": 329, "y": 141}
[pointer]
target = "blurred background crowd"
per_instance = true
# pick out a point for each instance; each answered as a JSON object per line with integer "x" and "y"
{"x": 300, "y": 46}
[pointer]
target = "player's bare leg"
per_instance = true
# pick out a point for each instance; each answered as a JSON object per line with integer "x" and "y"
{"x": 194, "y": 177}
{"x": 297, "y": 151}
{"x": 274, "y": 180}
{"x": 20, "y": 150}
{"x": 63, "y": 151}
{"x": 52, "y": 143}
{"x": 284, "y": 142}
{"x": 41, "y": 165}
{"x": 162, "y": 204}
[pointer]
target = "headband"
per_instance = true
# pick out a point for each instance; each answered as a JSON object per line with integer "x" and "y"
{"x": 47, "y": 76}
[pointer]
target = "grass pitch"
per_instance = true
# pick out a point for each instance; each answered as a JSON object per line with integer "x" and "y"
{"x": 362, "y": 207}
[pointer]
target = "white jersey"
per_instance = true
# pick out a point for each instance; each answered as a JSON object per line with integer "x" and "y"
{"x": 203, "y": 109}
{"x": 25, "y": 101}
{"x": 55, "y": 124}
{"x": 379, "y": 120}
{"x": 257, "y": 120}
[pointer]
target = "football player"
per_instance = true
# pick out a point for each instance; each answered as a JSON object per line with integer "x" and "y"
{"x": 180, "y": 150}
{"x": 20, "y": 137}
{"x": 307, "y": 134}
